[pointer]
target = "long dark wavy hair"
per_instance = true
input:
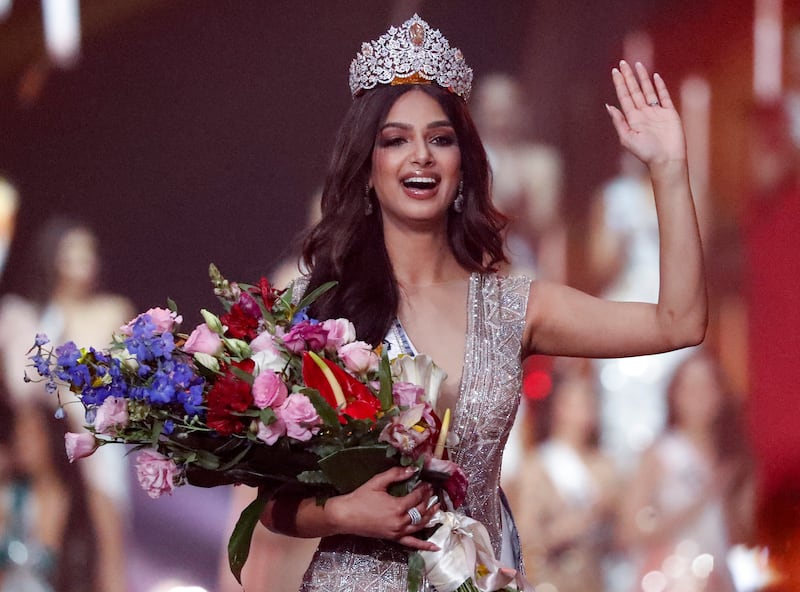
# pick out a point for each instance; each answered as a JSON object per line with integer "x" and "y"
{"x": 347, "y": 246}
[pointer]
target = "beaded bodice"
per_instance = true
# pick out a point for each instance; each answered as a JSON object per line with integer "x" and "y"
{"x": 490, "y": 391}
{"x": 485, "y": 411}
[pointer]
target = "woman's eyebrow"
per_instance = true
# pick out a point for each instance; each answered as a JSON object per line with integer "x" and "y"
{"x": 407, "y": 126}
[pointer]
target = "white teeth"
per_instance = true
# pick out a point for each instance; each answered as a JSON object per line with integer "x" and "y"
{"x": 420, "y": 182}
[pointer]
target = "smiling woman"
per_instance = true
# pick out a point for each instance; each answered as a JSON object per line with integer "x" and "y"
{"x": 416, "y": 163}
{"x": 411, "y": 238}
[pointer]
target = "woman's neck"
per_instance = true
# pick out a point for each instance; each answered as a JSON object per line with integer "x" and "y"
{"x": 422, "y": 258}
{"x": 66, "y": 294}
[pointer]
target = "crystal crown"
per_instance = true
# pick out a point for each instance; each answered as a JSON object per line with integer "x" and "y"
{"x": 410, "y": 54}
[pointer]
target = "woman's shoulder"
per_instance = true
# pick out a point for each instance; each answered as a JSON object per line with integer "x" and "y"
{"x": 112, "y": 303}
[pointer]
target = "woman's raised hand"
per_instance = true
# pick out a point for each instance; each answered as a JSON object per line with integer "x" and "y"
{"x": 646, "y": 121}
{"x": 370, "y": 511}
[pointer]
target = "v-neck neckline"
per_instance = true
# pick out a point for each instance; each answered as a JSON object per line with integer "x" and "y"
{"x": 405, "y": 340}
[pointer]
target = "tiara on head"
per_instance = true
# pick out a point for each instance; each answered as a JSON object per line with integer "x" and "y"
{"x": 410, "y": 54}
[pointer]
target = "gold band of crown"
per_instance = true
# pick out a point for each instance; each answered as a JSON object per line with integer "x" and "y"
{"x": 410, "y": 54}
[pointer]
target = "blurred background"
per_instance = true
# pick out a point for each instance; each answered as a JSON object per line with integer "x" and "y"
{"x": 141, "y": 140}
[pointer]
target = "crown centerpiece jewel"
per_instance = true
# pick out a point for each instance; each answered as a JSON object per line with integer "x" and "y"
{"x": 413, "y": 53}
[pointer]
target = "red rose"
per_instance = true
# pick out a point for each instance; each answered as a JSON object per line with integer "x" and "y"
{"x": 227, "y": 398}
{"x": 241, "y": 325}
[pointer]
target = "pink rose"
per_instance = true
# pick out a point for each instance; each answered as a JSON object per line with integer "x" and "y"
{"x": 162, "y": 318}
{"x": 79, "y": 445}
{"x": 407, "y": 394}
{"x": 358, "y": 357}
{"x": 300, "y": 417}
{"x": 269, "y": 390}
{"x": 340, "y": 332}
{"x": 156, "y": 473}
{"x": 112, "y": 413}
{"x": 265, "y": 354}
{"x": 305, "y": 335}
{"x": 270, "y": 433}
{"x": 203, "y": 340}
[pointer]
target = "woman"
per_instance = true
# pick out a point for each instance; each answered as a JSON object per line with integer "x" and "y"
{"x": 47, "y": 543}
{"x": 568, "y": 491}
{"x": 693, "y": 490}
{"x": 409, "y": 233}
{"x": 65, "y": 303}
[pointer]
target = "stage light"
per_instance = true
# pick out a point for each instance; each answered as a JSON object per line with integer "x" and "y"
{"x": 62, "y": 30}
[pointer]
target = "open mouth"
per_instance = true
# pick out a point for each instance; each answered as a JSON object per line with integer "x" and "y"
{"x": 420, "y": 182}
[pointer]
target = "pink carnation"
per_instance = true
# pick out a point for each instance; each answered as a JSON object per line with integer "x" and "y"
{"x": 203, "y": 340}
{"x": 156, "y": 473}
{"x": 340, "y": 332}
{"x": 300, "y": 417}
{"x": 269, "y": 390}
{"x": 162, "y": 318}
{"x": 79, "y": 445}
{"x": 358, "y": 357}
{"x": 112, "y": 413}
{"x": 270, "y": 433}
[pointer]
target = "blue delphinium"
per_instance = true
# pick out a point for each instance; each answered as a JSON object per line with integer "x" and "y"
{"x": 146, "y": 344}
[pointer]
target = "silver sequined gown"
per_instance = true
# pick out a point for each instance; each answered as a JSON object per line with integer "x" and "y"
{"x": 487, "y": 405}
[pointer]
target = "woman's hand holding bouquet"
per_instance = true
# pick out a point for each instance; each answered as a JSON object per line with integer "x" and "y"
{"x": 265, "y": 396}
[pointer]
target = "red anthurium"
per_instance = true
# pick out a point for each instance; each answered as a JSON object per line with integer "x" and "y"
{"x": 359, "y": 402}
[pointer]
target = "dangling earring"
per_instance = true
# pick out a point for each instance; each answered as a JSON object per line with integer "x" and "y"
{"x": 458, "y": 203}
{"x": 367, "y": 201}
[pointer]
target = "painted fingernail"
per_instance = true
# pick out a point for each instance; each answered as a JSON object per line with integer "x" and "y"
{"x": 432, "y": 501}
{"x": 614, "y": 71}
{"x": 622, "y": 62}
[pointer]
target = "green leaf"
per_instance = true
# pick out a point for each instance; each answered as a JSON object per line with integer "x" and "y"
{"x": 350, "y": 468}
{"x": 242, "y": 375}
{"x": 326, "y": 412}
{"x": 385, "y": 375}
{"x": 206, "y": 459}
{"x": 235, "y": 460}
{"x": 416, "y": 567}
{"x": 239, "y": 543}
{"x": 313, "y": 477}
{"x": 267, "y": 416}
{"x": 309, "y": 298}
{"x": 171, "y": 305}
{"x": 155, "y": 433}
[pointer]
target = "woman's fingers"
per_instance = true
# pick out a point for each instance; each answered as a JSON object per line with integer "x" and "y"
{"x": 663, "y": 93}
{"x": 418, "y": 544}
{"x": 648, "y": 90}
{"x": 393, "y": 475}
{"x": 632, "y": 84}
{"x": 625, "y": 100}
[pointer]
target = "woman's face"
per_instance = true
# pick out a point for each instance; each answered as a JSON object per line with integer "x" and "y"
{"x": 416, "y": 162}
{"x": 76, "y": 259}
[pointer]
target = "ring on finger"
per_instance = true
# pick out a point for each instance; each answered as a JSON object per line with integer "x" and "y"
{"x": 654, "y": 103}
{"x": 415, "y": 516}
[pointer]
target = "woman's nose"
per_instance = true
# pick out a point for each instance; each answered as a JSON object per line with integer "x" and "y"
{"x": 422, "y": 153}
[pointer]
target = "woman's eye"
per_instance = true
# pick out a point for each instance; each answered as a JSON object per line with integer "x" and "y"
{"x": 391, "y": 141}
{"x": 445, "y": 140}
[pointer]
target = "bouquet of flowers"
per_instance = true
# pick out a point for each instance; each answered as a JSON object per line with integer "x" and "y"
{"x": 261, "y": 395}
